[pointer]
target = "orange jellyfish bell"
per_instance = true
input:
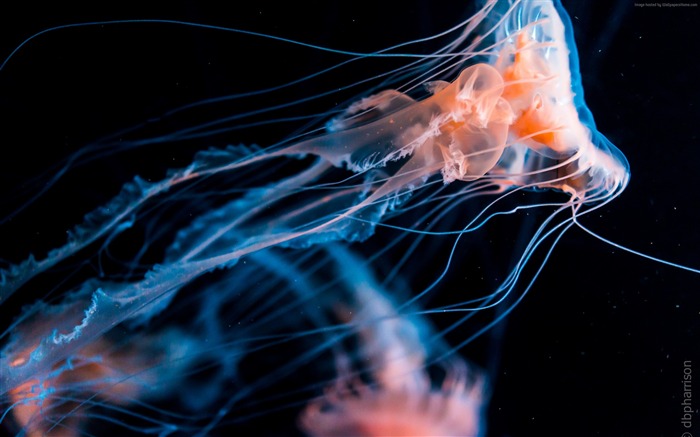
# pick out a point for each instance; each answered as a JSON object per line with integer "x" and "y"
{"x": 542, "y": 85}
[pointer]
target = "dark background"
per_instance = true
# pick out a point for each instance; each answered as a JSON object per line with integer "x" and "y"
{"x": 597, "y": 347}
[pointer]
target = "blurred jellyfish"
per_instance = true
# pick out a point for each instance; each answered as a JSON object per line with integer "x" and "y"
{"x": 60, "y": 402}
{"x": 234, "y": 266}
{"x": 400, "y": 400}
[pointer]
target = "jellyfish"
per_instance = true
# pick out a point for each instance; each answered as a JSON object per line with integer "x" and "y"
{"x": 102, "y": 372}
{"x": 420, "y": 164}
{"x": 401, "y": 399}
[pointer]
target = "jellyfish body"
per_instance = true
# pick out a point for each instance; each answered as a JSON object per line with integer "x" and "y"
{"x": 401, "y": 398}
{"x": 513, "y": 119}
{"x": 56, "y": 404}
